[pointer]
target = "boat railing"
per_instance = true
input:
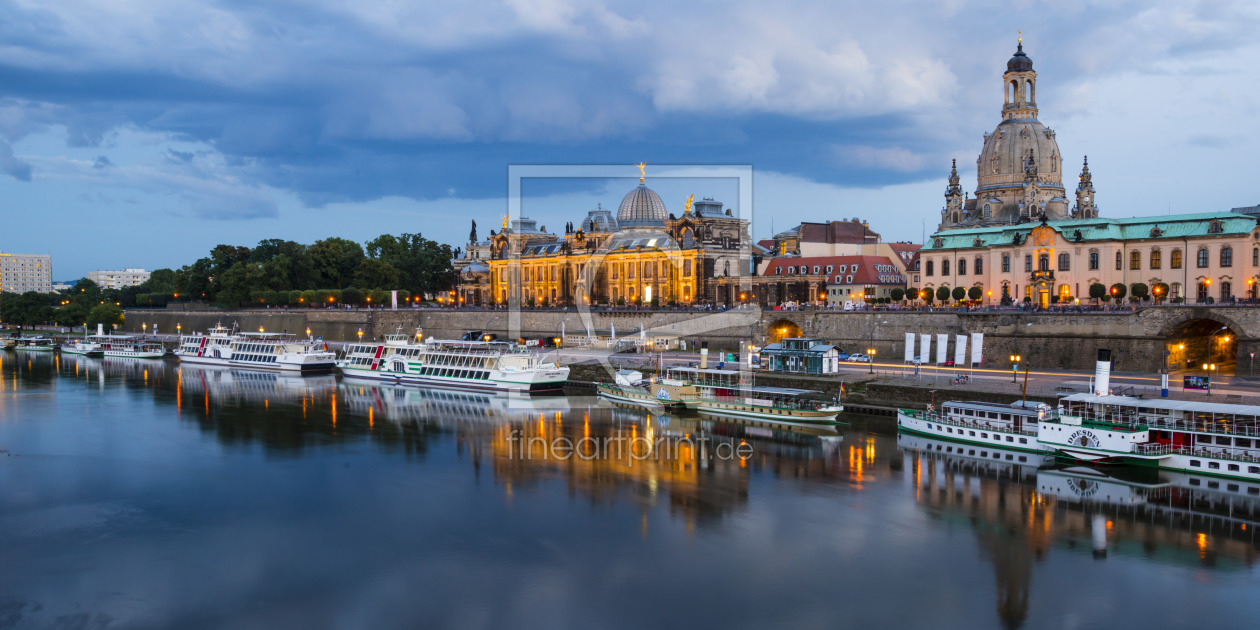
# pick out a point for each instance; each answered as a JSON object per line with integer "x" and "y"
{"x": 1194, "y": 451}
{"x": 983, "y": 426}
{"x": 803, "y": 404}
{"x": 1160, "y": 423}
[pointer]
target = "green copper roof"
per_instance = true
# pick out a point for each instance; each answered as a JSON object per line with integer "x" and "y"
{"x": 1176, "y": 226}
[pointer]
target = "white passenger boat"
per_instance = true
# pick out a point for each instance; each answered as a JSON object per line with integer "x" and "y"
{"x": 722, "y": 393}
{"x": 1012, "y": 426}
{"x": 37, "y": 343}
{"x": 127, "y": 346}
{"x": 84, "y": 346}
{"x": 1189, "y": 436}
{"x": 474, "y": 365}
{"x": 266, "y": 351}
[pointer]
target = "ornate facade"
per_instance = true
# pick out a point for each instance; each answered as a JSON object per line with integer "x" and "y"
{"x": 1019, "y": 173}
{"x": 642, "y": 255}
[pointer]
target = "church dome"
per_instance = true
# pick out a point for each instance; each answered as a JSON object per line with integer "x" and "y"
{"x": 642, "y": 206}
{"x": 1020, "y": 62}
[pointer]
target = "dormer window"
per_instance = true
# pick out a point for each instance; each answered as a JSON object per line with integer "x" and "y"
{"x": 791, "y": 270}
{"x": 849, "y": 279}
{"x": 829, "y": 268}
{"x": 855, "y": 268}
{"x": 778, "y": 271}
{"x": 1214, "y": 227}
{"x": 843, "y": 268}
{"x": 817, "y": 268}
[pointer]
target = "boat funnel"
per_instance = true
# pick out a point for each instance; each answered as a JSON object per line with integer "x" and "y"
{"x": 704, "y": 355}
{"x": 1102, "y": 373}
{"x": 100, "y": 328}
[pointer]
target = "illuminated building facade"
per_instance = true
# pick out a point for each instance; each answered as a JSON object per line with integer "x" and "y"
{"x": 643, "y": 254}
{"x": 20, "y": 273}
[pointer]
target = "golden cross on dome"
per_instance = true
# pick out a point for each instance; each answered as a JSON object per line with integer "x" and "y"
{"x": 642, "y": 173}
{"x": 1021, "y": 36}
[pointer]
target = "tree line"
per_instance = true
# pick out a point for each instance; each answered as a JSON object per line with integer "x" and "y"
{"x": 276, "y": 272}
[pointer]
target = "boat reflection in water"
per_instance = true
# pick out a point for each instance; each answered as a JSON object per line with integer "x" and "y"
{"x": 1021, "y": 505}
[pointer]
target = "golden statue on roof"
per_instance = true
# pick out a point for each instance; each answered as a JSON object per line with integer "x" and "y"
{"x": 687, "y": 207}
{"x": 642, "y": 172}
{"x": 505, "y": 221}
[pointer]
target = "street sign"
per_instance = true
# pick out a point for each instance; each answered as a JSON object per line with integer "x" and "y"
{"x": 1197, "y": 382}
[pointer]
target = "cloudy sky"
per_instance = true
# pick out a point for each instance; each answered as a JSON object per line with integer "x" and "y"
{"x": 143, "y": 132}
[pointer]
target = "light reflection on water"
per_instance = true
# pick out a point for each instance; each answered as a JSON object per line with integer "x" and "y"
{"x": 141, "y": 493}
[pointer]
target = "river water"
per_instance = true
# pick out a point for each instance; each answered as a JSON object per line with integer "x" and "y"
{"x": 145, "y": 494}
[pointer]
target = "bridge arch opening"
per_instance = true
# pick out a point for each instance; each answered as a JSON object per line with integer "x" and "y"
{"x": 1202, "y": 347}
{"x": 782, "y": 329}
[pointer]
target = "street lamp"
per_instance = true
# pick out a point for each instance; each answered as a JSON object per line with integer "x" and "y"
{"x": 1015, "y": 359}
{"x": 871, "y": 355}
{"x": 179, "y": 328}
{"x": 308, "y": 331}
{"x": 360, "y": 334}
{"x": 1219, "y": 331}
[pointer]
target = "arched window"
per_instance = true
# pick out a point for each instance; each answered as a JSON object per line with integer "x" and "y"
{"x": 1225, "y": 290}
{"x": 1093, "y": 261}
{"x": 1028, "y": 91}
{"x": 1156, "y": 259}
{"x": 979, "y": 266}
{"x": 1065, "y": 262}
{"x": 987, "y": 212}
{"x": 1227, "y": 257}
{"x": 1175, "y": 261}
{"x": 1043, "y": 262}
{"x": 1135, "y": 259}
{"x": 962, "y": 266}
{"x": 945, "y": 267}
{"x": 928, "y": 270}
{"x": 1203, "y": 257}
{"x": 1119, "y": 260}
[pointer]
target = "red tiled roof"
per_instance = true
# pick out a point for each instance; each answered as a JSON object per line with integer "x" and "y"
{"x": 867, "y": 271}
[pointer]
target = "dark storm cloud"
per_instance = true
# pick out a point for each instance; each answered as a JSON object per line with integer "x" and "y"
{"x": 339, "y": 103}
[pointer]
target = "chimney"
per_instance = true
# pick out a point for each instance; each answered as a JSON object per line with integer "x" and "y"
{"x": 704, "y": 355}
{"x": 1102, "y": 373}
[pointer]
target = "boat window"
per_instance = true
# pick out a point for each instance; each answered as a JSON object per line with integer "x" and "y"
{"x": 1253, "y": 490}
{"x": 1233, "y": 487}
{"x": 1022, "y": 458}
{"x": 1234, "y": 468}
{"x": 1243, "y": 442}
{"x": 984, "y": 435}
{"x": 1006, "y": 416}
{"x": 971, "y": 433}
{"x": 1196, "y": 463}
{"x": 1222, "y": 440}
{"x": 1010, "y": 439}
{"x": 1253, "y": 470}
{"x": 1206, "y": 439}
{"x": 993, "y": 415}
{"x": 1214, "y": 484}
{"x": 1023, "y": 440}
{"x": 1214, "y": 465}
{"x": 1196, "y": 482}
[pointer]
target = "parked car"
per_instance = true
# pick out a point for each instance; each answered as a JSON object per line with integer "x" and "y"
{"x": 949, "y": 363}
{"x": 859, "y": 358}
{"x": 843, "y": 356}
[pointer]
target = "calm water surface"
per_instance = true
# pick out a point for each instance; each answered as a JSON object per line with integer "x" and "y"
{"x": 140, "y": 494}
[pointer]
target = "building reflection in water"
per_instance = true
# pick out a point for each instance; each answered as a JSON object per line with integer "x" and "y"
{"x": 1021, "y": 505}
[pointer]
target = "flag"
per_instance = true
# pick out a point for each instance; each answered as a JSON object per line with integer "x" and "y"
{"x": 842, "y": 389}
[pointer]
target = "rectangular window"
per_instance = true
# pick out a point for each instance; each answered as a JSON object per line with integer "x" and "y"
{"x": 1093, "y": 261}
{"x": 1119, "y": 261}
{"x": 1234, "y": 468}
{"x": 1202, "y": 257}
{"x": 1224, "y": 441}
{"x": 1006, "y": 263}
{"x": 1156, "y": 259}
{"x": 1196, "y": 463}
{"x": 979, "y": 267}
{"x": 1028, "y": 263}
{"x": 1214, "y": 465}
{"x": 1175, "y": 263}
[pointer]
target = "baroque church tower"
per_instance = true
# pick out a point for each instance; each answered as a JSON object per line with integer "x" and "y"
{"x": 1085, "y": 208}
{"x": 1019, "y": 173}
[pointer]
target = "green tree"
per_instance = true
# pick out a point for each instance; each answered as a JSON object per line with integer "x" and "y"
{"x": 334, "y": 261}
{"x": 1118, "y": 291}
{"x": 1139, "y": 291}
{"x": 424, "y": 266}
{"x": 975, "y": 293}
{"x": 309, "y": 297}
{"x": 897, "y": 294}
{"x": 912, "y": 293}
{"x": 352, "y": 296}
{"x": 376, "y": 274}
{"x": 942, "y": 294}
{"x": 26, "y": 309}
{"x": 72, "y": 314}
{"x": 1097, "y": 291}
{"x": 959, "y": 293}
{"x": 1160, "y": 290}
{"x": 106, "y": 314}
